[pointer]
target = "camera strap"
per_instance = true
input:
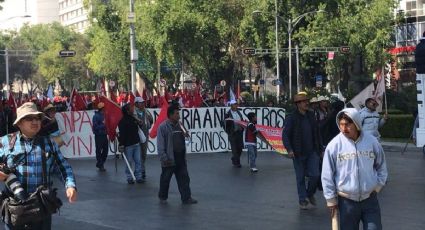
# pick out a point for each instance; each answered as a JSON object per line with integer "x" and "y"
{"x": 44, "y": 157}
{"x": 12, "y": 141}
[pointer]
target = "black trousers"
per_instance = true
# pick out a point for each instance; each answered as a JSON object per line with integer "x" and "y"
{"x": 182, "y": 177}
{"x": 101, "y": 142}
{"x": 236, "y": 144}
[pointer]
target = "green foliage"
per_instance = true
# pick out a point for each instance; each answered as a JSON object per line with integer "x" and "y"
{"x": 109, "y": 40}
{"x": 365, "y": 26}
{"x": 405, "y": 100}
{"x": 45, "y": 65}
{"x": 397, "y": 126}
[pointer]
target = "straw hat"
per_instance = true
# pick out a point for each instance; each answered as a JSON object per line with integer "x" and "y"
{"x": 313, "y": 100}
{"x": 321, "y": 98}
{"x": 28, "y": 108}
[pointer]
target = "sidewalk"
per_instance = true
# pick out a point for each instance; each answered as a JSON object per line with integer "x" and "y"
{"x": 400, "y": 146}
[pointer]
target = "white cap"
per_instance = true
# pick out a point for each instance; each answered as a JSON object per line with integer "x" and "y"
{"x": 232, "y": 102}
{"x": 138, "y": 100}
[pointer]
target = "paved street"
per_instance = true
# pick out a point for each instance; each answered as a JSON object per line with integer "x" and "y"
{"x": 230, "y": 198}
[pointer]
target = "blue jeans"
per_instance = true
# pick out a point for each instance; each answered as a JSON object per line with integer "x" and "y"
{"x": 252, "y": 155}
{"x": 351, "y": 212}
{"x": 307, "y": 166}
{"x": 132, "y": 153}
{"x": 43, "y": 225}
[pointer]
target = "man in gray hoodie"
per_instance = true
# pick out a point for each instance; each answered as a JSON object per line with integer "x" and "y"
{"x": 354, "y": 171}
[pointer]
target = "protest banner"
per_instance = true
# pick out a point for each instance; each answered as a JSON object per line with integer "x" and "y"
{"x": 204, "y": 124}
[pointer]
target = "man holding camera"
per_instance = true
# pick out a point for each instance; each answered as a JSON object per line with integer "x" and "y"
{"x": 31, "y": 156}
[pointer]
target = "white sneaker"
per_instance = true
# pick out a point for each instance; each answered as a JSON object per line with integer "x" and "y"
{"x": 254, "y": 170}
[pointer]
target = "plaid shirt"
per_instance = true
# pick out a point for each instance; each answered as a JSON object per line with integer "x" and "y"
{"x": 26, "y": 157}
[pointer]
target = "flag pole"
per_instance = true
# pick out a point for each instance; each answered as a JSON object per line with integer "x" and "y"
{"x": 385, "y": 90}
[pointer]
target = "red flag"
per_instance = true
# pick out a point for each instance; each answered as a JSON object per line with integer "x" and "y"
{"x": 122, "y": 98}
{"x": 145, "y": 94}
{"x": 130, "y": 98}
{"x": 12, "y": 103}
{"x": 102, "y": 88}
{"x": 44, "y": 103}
{"x": 161, "y": 117}
{"x": 77, "y": 102}
{"x": 197, "y": 99}
{"x": 113, "y": 116}
{"x": 113, "y": 96}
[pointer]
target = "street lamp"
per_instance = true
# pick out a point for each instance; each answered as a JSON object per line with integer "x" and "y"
{"x": 277, "y": 50}
{"x": 291, "y": 23}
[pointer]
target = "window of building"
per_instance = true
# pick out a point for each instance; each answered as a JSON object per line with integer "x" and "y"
{"x": 406, "y": 34}
{"x": 411, "y": 8}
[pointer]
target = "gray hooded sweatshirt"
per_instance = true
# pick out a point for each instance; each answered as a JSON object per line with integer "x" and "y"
{"x": 353, "y": 169}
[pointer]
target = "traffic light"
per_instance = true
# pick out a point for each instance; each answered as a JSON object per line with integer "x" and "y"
{"x": 249, "y": 51}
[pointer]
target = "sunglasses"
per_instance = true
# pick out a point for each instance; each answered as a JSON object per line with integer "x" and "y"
{"x": 32, "y": 118}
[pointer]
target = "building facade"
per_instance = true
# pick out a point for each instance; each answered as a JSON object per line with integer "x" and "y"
{"x": 73, "y": 14}
{"x": 16, "y": 13}
{"x": 408, "y": 31}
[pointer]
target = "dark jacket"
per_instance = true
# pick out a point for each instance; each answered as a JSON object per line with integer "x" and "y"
{"x": 292, "y": 134}
{"x": 229, "y": 125}
{"x": 420, "y": 57}
{"x": 99, "y": 127}
{"x": 129, "y": 131}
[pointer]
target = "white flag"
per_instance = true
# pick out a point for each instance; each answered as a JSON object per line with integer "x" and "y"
{"x": 359, "y": 99}
{"x": 379, "y": 93}
{"x": 232, "y": 95}
{"x": 50, "y": 93}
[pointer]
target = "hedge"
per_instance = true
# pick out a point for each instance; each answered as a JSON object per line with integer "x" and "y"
{"x": 397, "y": 126}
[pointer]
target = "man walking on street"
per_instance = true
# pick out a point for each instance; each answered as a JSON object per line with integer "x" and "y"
{"x": 370, "y": 120}
{"x": 172, "y": 154}
{"x": 234, "y": 132}
{"x": 100, "y": 137}
{"x": 354, "y": 171}
{"x": 129, "y": 142}
{"x": 36, "y": 159}
{"x": 302, "y": 140}
{"x": 145, "y": 121}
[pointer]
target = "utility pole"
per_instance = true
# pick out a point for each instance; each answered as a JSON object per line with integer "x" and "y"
{"x": 277, "y": 53}
{"x": 134, "y": 55}
{"x": 6, "y": 57}
{"x": 297, "y": 55}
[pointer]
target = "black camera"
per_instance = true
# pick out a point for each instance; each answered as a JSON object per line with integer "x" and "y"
{"x": 12, "y": 182}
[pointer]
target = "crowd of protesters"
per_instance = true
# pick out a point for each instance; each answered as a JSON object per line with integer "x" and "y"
{"x": 308, "y": 131}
